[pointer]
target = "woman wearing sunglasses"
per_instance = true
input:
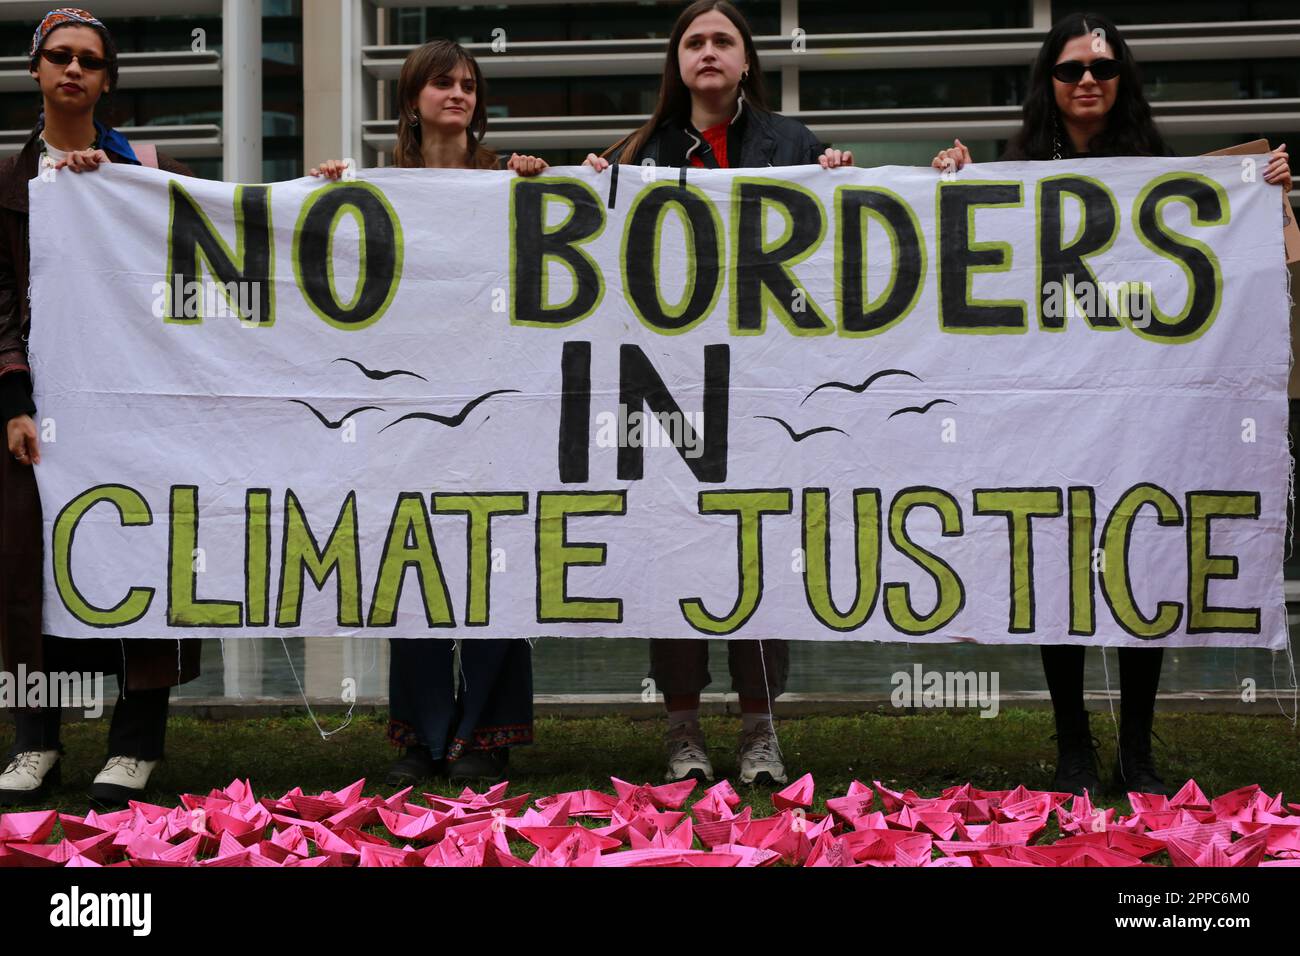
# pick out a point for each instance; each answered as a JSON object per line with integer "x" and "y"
{"x": 712, "y": 113}
{"x": 74, "y": 62}
{"x": 1085, "y": 99}
{"x": 462, "y": 725}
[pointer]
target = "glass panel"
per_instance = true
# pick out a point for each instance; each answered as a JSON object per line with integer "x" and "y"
{"x": 833, "y": 16}
{"x": 1201, "y": 80}
{"x": 894, "y": 89}
{"x": 1183, "y": 11}
{"x": 560, "y": 22}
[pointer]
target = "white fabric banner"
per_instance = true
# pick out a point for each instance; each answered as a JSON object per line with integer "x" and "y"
{"x": 1029, "y": 403}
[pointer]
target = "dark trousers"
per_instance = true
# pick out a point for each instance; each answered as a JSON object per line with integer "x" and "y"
{"x": 138, "y": 727}
{"x": 139, "y": 724}
{"x": 1139, "y": 678}
{"x": 680, "y": 667}
{"x": 488, "y": 704}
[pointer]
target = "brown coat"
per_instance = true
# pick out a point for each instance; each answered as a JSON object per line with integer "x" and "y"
{"x": 147, "y": 663}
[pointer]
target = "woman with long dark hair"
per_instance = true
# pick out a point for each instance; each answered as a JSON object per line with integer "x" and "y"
{"x": 1085, "y": 99}
{"x": 74, "y": 62}
{"x": 712, "y": 113}
{"x": 459, "y": 724}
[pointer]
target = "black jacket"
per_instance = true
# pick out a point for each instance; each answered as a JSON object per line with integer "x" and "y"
{"x": 757, "y": 138}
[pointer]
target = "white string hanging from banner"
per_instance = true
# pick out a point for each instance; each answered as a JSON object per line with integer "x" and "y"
{"x": 1110, "y": 700}
{"x": 771, "y": 705}
{"x": 325, "y": 734}
{"x": 1291, "y": 675}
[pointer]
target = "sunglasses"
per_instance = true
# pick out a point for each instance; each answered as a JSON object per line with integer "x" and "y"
{"x": 86, "y": 61}
{"x": 1071, "y": 71}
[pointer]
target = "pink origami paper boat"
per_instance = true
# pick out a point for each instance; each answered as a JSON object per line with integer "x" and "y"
{"x": 798, "y": 794}
{"x": 680, "y": 838}
{"x": 668, "y": 796}
{"x": 750, "y": 856}
{"x": 551, "y": 838}
{"x": 388, "y": 856}
{"x": 568, "y": 855}
{"x": 892, "y": 800}
{"x": 1133, "y": 844}
{"x": 1190, "y": 796}
{"x": 479, "y": 803}
{"x": 829, "y": 850}
{"x": 724, "y": 831}
{"x": 665, "y": 857}
{"x": 582, "y": 803}
{"x": 939, "y": 822}
{"x": 498, "y": 855}
{"x": 150, "y": 851}
{"x": 1218, "y": 851}
{"x": 718, "y": 803}
{"x": 34, "y": 826}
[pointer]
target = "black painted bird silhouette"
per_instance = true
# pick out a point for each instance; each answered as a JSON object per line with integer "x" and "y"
{"x": 379, "y": 375}
{"x": 451, "y": 421}
{"x": 922, "y": 409}
{"x": 336, "y": 424}
{"x": 800, "y": 436}
{"x": 863, "y": 386}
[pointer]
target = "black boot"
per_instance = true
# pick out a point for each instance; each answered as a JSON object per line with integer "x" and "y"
{"x": 1135, "y": 767}
{"x": 1077, "y": 766}
{"x": 416, "y": 765}
{"x": 481, "y": 765}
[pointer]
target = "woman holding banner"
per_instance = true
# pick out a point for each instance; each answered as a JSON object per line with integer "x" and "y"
{"x": 712, "y": 114}
{"x": 462, "y": 725}
{"x": 1085, "y": 99}
{"x": 74, "y": 62}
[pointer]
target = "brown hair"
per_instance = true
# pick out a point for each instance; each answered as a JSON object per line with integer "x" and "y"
{"x": 674, "y": 97}
{"x": 433, "y": 59}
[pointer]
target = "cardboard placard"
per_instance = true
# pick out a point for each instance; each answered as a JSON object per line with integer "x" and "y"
{"x": 1290, "y": 231}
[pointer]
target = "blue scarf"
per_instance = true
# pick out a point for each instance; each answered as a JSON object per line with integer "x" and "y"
{"x": 106, "y": 138}
{"x": 109, "y": 138}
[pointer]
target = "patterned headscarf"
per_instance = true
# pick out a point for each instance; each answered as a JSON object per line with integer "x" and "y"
{"x": 63, "y": 16}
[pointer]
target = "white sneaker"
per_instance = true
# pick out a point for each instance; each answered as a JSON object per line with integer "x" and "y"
{"x": 122, "y": 779}
{"x": 760, "y": 756}
{"x": 28, "y": 776}
{"x": 686, "y": 756}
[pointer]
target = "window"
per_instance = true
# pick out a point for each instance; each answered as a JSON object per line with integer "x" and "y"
{"x": 834, "y": 16}
{"x": 899, "y": 89}
{"x": 530, "y": 23}
{"x": 1183, "y": 11}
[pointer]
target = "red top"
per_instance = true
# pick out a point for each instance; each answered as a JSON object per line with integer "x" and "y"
{"x": 716, "y": 137}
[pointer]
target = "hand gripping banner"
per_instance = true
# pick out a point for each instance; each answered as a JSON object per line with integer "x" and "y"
{"x": 1029, "y": 403}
